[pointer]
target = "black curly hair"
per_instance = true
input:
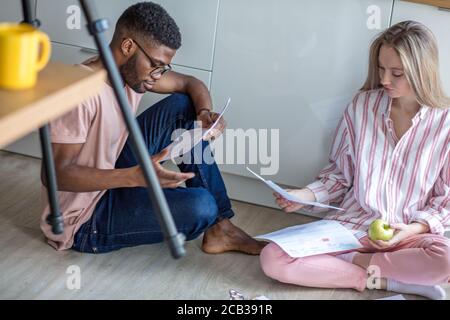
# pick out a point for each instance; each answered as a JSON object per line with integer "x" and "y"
{"x": 152, "y": 22}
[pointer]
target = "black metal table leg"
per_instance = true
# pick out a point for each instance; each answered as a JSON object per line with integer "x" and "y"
{"x": 96, "y": 28}
{"x": 55, "y": 217}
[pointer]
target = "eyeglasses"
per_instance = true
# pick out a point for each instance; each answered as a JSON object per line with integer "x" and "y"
{"x": 158, "y": 70}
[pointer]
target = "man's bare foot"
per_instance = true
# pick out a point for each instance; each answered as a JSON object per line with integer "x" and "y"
{"x": 225, "y": 236}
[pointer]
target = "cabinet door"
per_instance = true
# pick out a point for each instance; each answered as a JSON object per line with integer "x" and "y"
{"x": 438, "y": 20}
{"x": 11, "y": 11}
{"x": 197, "y": 21}
{"x": 293, "y": 66}
{"x": 195, "y": 18}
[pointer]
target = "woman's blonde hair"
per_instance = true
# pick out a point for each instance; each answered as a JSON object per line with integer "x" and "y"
{"x": 418, "y": 51}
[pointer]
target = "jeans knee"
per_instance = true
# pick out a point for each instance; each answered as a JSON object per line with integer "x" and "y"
{"x": 181, "y": 102}
{"x": 203, "y": 210}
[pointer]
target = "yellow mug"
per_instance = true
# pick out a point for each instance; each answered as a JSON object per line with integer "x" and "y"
{"x": 24, "y": 51}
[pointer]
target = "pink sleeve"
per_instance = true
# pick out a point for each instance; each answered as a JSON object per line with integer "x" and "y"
{"x": 335, "y": 179}
{"x": 437, "y": 211}
{"x": 73, "y": 127}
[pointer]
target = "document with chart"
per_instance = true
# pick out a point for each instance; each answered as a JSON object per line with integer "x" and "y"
{"x": 324, "y": 236}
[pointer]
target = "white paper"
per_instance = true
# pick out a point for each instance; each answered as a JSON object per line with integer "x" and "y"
{"x": 217, "y": 120}
{"x": 184, "y": 143}
{"x": 324, "y": 236}
{"x": 289, "y": 196}
{"x": 396, "y": 297}
{"x": 190, "y": 138}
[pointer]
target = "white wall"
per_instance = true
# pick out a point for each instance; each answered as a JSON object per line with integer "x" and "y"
{"x": 299, "y": 64}
{"x": 11, "y": 11}
{"x": 291, "y": 65}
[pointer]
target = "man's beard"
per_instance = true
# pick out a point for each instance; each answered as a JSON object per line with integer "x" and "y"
{"x": 129, "y": 75}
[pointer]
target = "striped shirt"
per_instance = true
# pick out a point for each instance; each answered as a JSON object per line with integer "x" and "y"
{"x": 374, "y": 175}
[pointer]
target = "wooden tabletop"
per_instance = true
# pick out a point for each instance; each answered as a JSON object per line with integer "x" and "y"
{"x": 59, "y": 88}
{"x": 436, "y": 3}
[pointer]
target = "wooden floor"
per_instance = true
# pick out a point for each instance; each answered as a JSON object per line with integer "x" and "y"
{"x": 30, "y": 269}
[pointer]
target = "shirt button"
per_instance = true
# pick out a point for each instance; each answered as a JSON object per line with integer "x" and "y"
{"x": 95, "y": 231}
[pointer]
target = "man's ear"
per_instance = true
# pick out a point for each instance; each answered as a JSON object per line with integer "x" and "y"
{"x": 126, "y": 47}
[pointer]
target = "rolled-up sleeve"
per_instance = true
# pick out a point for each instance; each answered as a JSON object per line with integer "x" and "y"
{"x": 337, "y": 177}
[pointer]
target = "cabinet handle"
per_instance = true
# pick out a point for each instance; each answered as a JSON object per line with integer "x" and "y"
{"x": 88, "y": 50}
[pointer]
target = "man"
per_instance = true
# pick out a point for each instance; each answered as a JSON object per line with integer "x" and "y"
{"x": 103, "y": 194}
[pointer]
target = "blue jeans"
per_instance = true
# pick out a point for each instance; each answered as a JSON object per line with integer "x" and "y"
{"x": 124, "y": 217}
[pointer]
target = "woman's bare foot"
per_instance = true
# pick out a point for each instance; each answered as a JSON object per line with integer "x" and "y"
{"x": 224, "y": 236}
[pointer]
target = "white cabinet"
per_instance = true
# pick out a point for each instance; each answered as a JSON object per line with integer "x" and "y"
{"x": 438, "y": 20}
{"x": 290, "y": 65}
{"x": 11, "y": 11}
{"x": 29, "y": 145}
{"x": 293, "y": 66}
{"x": 195, "y": 18}
{"x": 73, "y": 55}
{"x": 65, "y": 23}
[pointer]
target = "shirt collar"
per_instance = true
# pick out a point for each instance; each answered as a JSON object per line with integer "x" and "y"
{"x": 423, "y": 112}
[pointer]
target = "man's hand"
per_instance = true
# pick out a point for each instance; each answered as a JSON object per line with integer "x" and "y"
{"x": 403, "y": 231}
{"x": 289, "y": 206}
{"x": 208, "y": 118}
{"x": 167, "y": 178}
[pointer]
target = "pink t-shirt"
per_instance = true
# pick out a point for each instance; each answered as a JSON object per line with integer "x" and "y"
{"x": 98, "y": 124}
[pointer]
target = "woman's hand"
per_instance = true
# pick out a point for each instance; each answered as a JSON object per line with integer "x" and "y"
{"x": 289, "y": 206}
{"x": 403, "y": 231}
{"x": 208, "y": 118}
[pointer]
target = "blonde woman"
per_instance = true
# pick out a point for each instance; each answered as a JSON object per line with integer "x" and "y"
{"x": 390, "y": 160}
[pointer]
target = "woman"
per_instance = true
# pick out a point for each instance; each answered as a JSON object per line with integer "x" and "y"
{"x": 390, "y": 160}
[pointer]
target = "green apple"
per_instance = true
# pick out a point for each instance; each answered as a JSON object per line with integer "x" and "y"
{"x": 380, "y": 230}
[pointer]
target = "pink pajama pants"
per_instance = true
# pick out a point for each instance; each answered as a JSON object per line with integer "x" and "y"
{"x": 421, "y": 259}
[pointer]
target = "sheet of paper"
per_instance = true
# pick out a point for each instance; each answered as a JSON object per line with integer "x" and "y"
{"x": 217, "y": 120}
{"x": 184, "y": 143}
{"x": 324, "y": 236}
{"x": 290, "y": 197}
{"x": 190, "y": 138}
{"x": 396, "y": 297}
